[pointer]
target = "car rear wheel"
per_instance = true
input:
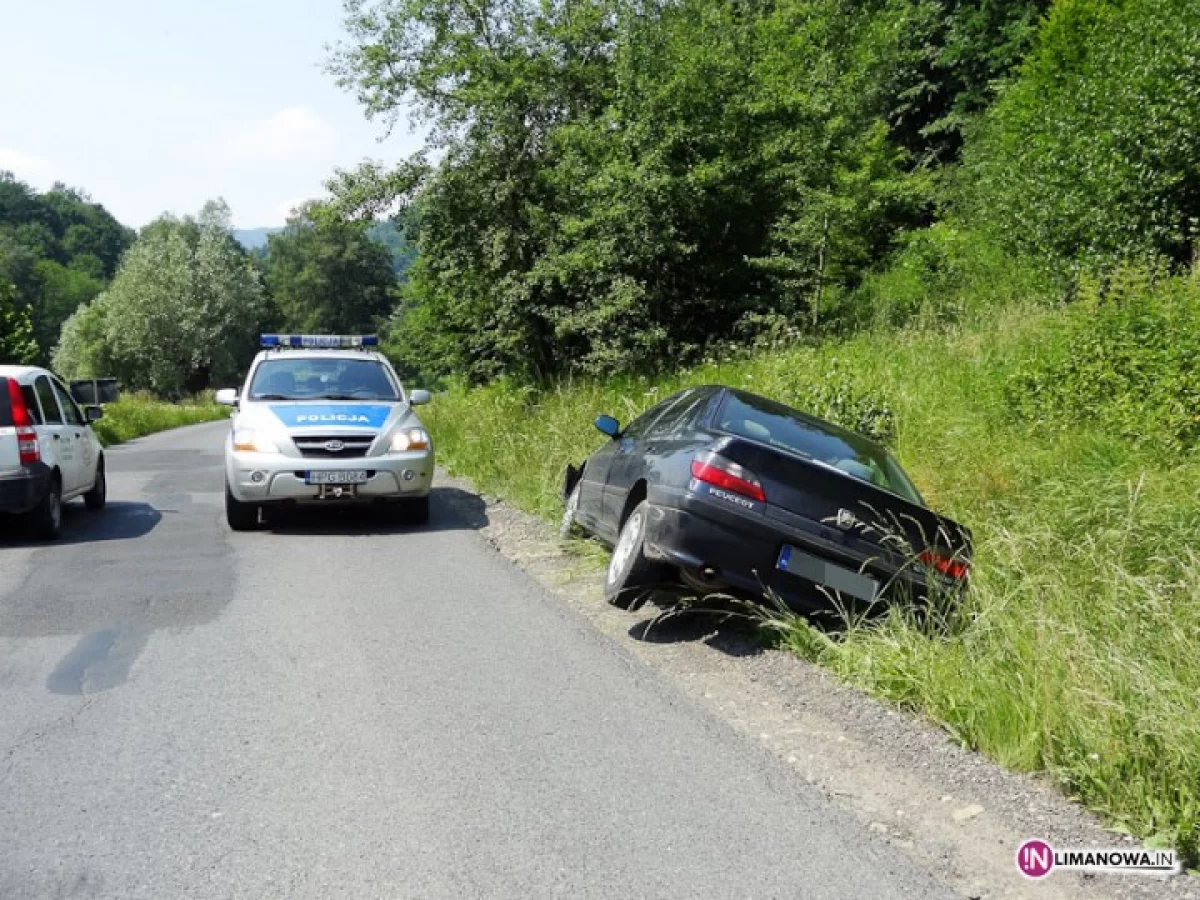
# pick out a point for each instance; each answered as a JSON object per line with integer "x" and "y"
{"x": 241, "y": 516}
{"x": 568, "y": 527}
{"x": 630, "y": 575}
{"x": 45, "y": 519}
{"x": 96, "y": 497}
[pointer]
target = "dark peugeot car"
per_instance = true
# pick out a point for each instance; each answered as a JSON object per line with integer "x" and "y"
{"x": 733, "y": 492}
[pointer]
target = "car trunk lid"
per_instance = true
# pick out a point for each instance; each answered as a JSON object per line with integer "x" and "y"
{"x": 839, "y": 509}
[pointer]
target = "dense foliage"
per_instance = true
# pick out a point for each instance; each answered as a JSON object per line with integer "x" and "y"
{"x": 617, "y": 185}
{"x": 1092, "y": 155}
{"x": 329, "y": 276}
{"x": 58, "y": 249}
{"x": 17, "y": 345}
{"x": 183, "y": 312}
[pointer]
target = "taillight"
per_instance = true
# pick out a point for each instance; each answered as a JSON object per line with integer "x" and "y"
{"x": 27, "y": 439}
{"x": 953, "y": 566}
{"x": 714, "y": 469}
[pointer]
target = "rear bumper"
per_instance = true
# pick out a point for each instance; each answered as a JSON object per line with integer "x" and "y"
{"x": 739, "y": 552}
{"x": 21, "y": 490}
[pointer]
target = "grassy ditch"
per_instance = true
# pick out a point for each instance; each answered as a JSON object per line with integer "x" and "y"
{"x": 136, "y": 415}
{"x": 1080, "y": 656}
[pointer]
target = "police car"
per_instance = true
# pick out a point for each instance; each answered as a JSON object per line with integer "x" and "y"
{"x": 323, "y": 419}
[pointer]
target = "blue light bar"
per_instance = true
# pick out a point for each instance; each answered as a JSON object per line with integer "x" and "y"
{"x": 319, "y": 341}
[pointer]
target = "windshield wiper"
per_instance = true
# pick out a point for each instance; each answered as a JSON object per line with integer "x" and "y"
{"x": 271, "y": 397}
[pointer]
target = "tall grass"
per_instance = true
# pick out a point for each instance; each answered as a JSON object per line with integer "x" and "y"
{"x": 136, "y": 415}
{"x": 1081, "y": 656}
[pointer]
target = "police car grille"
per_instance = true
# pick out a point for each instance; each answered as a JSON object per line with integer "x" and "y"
{"x": 315, "y": 446}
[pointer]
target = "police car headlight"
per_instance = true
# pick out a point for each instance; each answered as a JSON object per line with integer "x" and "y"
{"x": 251, "y": 441}
{"x": 410, "y": 439}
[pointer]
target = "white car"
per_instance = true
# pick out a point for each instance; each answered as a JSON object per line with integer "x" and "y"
{"x": 323, "y": 419}
{"x": 48, "y": 451}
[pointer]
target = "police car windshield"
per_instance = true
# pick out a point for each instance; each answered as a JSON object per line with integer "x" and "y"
{"x": 317, "y": 378}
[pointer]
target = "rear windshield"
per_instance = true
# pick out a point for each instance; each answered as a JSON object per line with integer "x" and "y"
{"x": 316, "y": 378}
{"x": 778, "y": 426}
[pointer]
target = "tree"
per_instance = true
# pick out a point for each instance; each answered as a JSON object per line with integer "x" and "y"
{"x": 17, "y": 346}
{"x": 182, "y": 312}
{"x": 328, "y": 275}
{"x": 1091, "y": 155}
{"x": 58, "y": 249}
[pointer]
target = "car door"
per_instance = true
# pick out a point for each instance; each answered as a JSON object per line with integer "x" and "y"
{"x": 82, "y": 441}
{"x": 55, "y": 438}
{"x": 636, "y": 451}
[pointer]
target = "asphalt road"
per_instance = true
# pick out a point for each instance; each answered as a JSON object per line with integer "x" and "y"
{"x": 343, "y": 707}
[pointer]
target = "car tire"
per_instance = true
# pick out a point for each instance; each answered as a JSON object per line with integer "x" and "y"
{"x": 98, "y": 495}
{"x": 569, "y": 527}
{"x": 45, "y": 519}
{"x": 630, "y": 575}
{"x": 240, "y": 516}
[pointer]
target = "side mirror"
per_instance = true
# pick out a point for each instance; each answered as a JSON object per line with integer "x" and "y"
{"x": 608, "y": 425}
{"x": 419, "y": 397}
{"x": 226, "y": 396}
{"x": 93, "y": 413}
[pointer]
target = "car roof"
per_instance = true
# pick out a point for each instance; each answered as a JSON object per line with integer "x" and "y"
{"x": 320, "y": 353}
{"x": 22, "y": 371}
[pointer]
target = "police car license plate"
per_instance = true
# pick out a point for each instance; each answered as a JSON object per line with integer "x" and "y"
{"x": 336, "y": 476}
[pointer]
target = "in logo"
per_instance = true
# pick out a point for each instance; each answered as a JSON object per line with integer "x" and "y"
{"x": 1035, "y": 858}
{"x": 334, "y": 446}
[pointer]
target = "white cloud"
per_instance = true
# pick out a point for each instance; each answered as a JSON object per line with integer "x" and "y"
{"x": 293, "y": 134}
{"x": 26, "y": 166}
{"x": 285, "y": 210}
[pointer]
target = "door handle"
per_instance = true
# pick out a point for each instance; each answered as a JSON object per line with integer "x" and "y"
{"x": 58, "y": 437}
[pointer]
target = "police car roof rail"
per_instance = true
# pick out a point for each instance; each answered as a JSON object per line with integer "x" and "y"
{"x": 318, "y": 341}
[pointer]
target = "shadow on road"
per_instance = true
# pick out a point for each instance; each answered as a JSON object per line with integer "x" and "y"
{"x": 667, "y": 622}
{"x": 450, "y": 509}
{"x": 118, "y": 521}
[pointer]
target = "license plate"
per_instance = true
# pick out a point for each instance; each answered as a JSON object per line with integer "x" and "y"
{"x": 336, "y": 476}
{"x": 834, "y": 577}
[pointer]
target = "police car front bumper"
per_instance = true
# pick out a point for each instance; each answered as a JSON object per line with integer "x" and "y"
{"x": 276, "y": 478}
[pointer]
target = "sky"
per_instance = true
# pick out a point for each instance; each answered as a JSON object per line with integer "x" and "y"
{"x": 154, "y": 106}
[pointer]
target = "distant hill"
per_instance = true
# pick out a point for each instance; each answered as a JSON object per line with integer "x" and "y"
{"x": 255, "y": 238}
{"x": 386, "y": 233}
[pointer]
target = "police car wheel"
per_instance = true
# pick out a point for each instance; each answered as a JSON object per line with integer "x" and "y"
{"x": 241, "y": 516}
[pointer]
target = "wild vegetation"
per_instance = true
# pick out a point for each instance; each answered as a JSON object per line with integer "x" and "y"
{"x": 58, "y": 250}
{"x": 138, "y": 414}
{"x": 188, "y": 302}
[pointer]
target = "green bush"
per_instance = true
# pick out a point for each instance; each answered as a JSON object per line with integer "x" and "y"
{"x": 946, "y": 274}
{"x": 1126, "y": 356}
{"x": 139, "y": 414}
{"x": 1091, "y": 154}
